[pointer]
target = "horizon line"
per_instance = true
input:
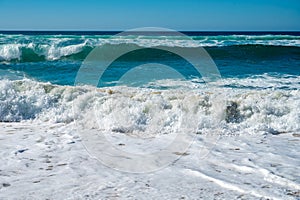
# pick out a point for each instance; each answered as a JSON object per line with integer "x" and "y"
{"x": 94, "y": 30}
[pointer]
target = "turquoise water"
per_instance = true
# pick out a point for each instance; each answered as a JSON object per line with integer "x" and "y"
{"x": 259, "y": 89}
{"x": 56, "y": 58}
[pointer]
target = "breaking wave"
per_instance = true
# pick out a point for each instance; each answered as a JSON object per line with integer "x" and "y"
{"x": 139, "y": 110}
{"x": 29, "y": 48}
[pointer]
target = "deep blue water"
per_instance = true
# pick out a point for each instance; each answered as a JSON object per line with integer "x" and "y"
{"x": 56, "y": 56}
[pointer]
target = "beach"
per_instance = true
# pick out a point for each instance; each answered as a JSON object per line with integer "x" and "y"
{"x": 49, "y": 162}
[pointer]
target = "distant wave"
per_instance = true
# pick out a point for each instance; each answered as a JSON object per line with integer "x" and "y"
{"x": 25, "y": 48}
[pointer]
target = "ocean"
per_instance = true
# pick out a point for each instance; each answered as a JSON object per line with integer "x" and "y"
{"x": 229, "y": 131}
{"x": 55, "y": 57}
{"x": 251, "y": 62}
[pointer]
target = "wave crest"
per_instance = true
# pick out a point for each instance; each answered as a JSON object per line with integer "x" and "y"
{"x": 43, "y": 47}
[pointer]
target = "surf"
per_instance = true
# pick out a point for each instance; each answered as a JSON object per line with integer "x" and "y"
{"x": 34, "y": 48}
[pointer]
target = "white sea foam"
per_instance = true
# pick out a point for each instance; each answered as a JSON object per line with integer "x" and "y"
{"x": 141, "y": 110}
{"x": 53, "y": 52}
{"x": 10, "y": 51}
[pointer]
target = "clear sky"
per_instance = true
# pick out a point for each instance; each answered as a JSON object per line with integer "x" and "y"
{"x": 126, "y": 14}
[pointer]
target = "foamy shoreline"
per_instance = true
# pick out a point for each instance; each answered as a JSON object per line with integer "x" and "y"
{"x": 40, "y": 160}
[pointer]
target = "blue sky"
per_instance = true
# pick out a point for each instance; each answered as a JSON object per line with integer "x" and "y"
{"x": 126, "y": 14}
